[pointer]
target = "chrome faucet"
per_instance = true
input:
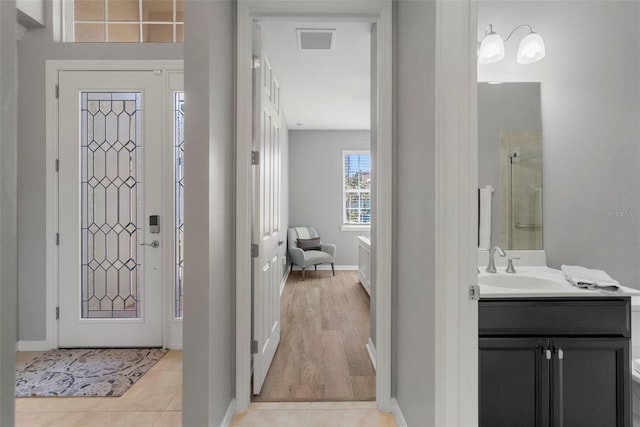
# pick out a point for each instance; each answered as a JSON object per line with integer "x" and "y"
{"x": 510, "y": 268}
{"x": 491, "y": 267}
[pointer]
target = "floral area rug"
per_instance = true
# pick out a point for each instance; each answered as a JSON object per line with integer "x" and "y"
{"x": 85, "y": 372}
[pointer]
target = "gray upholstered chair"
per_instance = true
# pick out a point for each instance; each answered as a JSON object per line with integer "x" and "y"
{"x": 304, "y": 259}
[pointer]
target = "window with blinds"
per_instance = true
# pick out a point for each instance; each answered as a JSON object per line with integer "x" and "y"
{"x": 133, "y": 21}
{"x": 356, "y": 196}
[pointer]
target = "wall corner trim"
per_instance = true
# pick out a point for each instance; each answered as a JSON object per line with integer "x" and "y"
{"x": 228, "y": 416}
{"x": 371, "y": 349}
{"x": 397, "y": 413}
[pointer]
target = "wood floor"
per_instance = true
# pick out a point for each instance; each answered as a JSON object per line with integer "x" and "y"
{"x": 324, "y": 330}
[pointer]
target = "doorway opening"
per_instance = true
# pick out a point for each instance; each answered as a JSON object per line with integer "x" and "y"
{"x": 316, "y": 168}
{"x": 314, "y": 17}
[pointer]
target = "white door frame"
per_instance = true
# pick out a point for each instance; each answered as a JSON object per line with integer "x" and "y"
{"x": 379, "y": 12}
{"x": 456, "y": 401}
{"x": 456, "y": 316}
{"x": 52, "y": 286}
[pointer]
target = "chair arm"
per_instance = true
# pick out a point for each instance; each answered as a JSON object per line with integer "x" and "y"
{"x": 329, "y": 248}
{"x": 297, "y": 256}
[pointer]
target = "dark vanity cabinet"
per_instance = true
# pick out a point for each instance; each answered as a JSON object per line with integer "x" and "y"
{"x": 554, "y": 362}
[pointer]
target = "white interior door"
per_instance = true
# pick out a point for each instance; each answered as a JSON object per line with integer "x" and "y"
{"x": 110, "y": 152}
{"x": 266, "y": 216}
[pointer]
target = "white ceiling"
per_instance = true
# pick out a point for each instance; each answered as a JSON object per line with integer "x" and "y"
{"x": 322, "y": 89}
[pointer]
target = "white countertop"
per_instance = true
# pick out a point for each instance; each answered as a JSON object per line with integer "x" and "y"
{"x": 564, "y": 288}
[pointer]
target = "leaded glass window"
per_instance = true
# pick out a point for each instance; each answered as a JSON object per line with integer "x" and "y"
{"x": 110, "y": 204}
{"x": 179, "y": 197}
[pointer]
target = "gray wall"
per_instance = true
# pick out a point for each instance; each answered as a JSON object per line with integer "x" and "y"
{"x": 36, "y": 47}
{"x": 590, "y": 111}
{"x": 8, "y": 210}
{"x": 502, "y": 107}
{"x": 315, "y": 186}
{"x": 413, "y": 318}
{"x": 209, "y": 320}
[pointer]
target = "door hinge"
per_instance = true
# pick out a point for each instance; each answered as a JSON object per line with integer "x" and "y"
{"x": 254, "y": 347}
{"x": 474, "y": 292}
{"x": 57, "y": 165}
{"x": 57, "y": 313}
{"x": 255, "y": 62}
{"x": 255, "y": 157}
{"x": 57, "y": 91}
{"x": 57, "y": 239}
{"x": 255, "y": 250}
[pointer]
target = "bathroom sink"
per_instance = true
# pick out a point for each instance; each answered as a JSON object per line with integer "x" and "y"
{"x": 517, "y": 281}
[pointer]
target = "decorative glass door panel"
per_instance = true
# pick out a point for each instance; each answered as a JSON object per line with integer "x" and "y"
{"x": 110, "y": 149}
{"x": 178, "y": 138}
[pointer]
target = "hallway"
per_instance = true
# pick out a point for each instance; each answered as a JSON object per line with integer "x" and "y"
{"x": 324, "y": 331}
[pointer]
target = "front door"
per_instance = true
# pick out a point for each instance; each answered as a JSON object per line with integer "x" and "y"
{"x": 266, "y": 216}
{"x": 110, "y": 199}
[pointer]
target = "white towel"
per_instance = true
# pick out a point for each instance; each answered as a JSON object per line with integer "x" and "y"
{"x": 303, "y": 233}
{"x": 485, "y": 218}
{"x": 589, "y": 278}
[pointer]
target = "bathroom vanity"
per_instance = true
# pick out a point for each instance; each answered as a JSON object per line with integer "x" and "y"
{"x": 554, "y": 362}
{"x": 551, "y": 354}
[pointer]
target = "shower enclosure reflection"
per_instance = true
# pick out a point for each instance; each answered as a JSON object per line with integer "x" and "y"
{"x": 510, "y": 160}
{"x": 521, "y": 197}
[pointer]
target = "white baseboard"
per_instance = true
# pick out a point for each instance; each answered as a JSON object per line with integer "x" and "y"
{"x": 284, "y": 280}
{"x": 228, "y": 416}
{"x": 328, "y": 267}
{"x": 42, "y": 345}
{"x": 371, "y": 349}
{"x": 174, "y": 346}
{"x": 397, "y": 413}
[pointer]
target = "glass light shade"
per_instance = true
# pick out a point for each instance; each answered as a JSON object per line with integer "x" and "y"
{"x": 531, "y": 49}
{"x": 491, "y": 49}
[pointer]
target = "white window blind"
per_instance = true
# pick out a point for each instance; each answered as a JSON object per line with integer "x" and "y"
{"x": 356, "y": 196}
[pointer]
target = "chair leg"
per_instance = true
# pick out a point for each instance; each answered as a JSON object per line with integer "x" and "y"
{"x": 291, "y": 271}
{"x": 333, "y": 269}
{"x": 303, "y": 274}
{"x": 316, "y": 267}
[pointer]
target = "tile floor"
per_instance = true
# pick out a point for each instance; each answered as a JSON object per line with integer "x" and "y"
{"x": 314, "y": 414}
{"x": 156, "y": 400}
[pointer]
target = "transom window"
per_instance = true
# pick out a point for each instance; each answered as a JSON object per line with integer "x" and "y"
{"x": 134, "y": 21}
{"x": 356, "y": 196}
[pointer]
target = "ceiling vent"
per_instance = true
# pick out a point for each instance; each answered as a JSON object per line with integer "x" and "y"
{"x": 315, "y": 38}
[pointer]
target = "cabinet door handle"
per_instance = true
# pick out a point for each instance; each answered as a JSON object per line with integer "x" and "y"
{"x": 547, "y": 353}
{"x": 560, "y": 388}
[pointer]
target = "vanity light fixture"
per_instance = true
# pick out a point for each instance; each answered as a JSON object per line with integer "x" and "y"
{"x": 530, "y": 50}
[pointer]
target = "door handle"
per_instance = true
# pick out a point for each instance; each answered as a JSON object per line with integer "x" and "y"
{"x": 280, "y": 242}
{"x": 560, "y": 403}
{"x": 153, "y": 244}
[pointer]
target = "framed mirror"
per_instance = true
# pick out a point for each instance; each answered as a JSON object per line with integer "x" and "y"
{"x": 510, "y": 162}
